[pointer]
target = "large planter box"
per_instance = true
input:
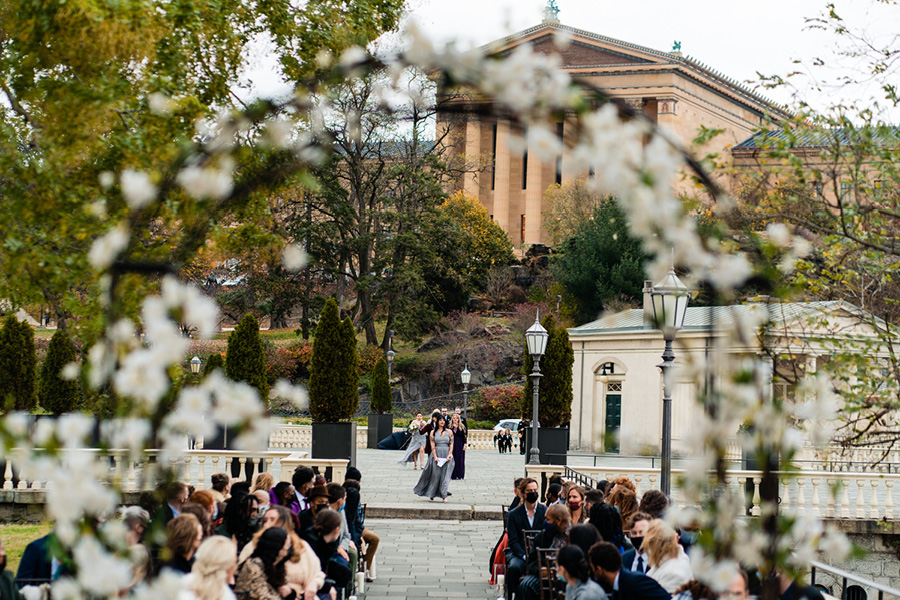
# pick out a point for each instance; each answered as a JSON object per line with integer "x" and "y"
{"x": 553, "y": 444}
{"x": 334, "y": 440}
{"x": 380, "y": 426}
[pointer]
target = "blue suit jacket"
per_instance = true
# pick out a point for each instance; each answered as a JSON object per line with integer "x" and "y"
{"x": 36, "y": 561}
{"x": 637, "y": 586}
{"x": 517, "y": 522}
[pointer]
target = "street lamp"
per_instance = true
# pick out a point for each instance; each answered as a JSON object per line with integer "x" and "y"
{"x": 390, "y": 361}
{"x": 536, "y": 339}
{"x": 465, "y": 377}
{"x": 195, "y": 365}
{"x": 670, "y": 300}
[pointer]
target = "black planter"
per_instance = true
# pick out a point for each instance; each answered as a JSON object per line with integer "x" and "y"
{"x": 553, "y": 444}
{"x": 380, "y": 426}
{"x": 334, "y": 440}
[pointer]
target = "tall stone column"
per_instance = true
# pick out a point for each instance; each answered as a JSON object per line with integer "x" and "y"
{"x": 534, "y": 191}
{"x": 472, "y": 152}
{"x": 501, "y": 179}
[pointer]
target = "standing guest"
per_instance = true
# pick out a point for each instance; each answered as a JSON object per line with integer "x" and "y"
{"x": 323, "y": 538}
{"x": 199, "y": 511}
{"x": 212, "y": 573}
{"x": 8, "y": 587}
{"x": 263, "y": 481}
{"x": 669, "y": 565}
{"x": 573, "y": 567}
{"x": 654, "y": 503}
{"x": 263, "y": 498}
{"x": 575, "y": 503}
{"x": 220, "y": 484}
{"x": 302, "y": 479}
{"x": 622, "y": 481}
{"x": 282, "y": 494}
{"x": 435, "y": 479}
{"x": 444, "y": 412}
{"x": 526, "y": 516}
{"x": 238, "y": 524}
{"x": 430, "y": 426}
{"x": 416, "y": 448}
{"x": 592, "y": 497}
{"x": 520, "y": 431}
{"x": 463, "y": 420}
{"x": 609, "y": 524}
{"x": 262, "y": 576}
{"x": 460, "y": 438}
{"x": 183, "y": 536}
{"x": 637, "y": 559}
{"x": 620, "y": 583}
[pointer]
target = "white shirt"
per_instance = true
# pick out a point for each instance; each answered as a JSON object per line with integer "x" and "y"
{"x": 304, "y": 503}
{"x": 531, "y": 516}
{"x": 643, "y": 556}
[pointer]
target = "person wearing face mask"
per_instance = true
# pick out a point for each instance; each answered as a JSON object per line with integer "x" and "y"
{"x": 636, "y": 558}
{"x": 337, "y": 497}
{"x": 575, "y": 502}
{"x": 527, "y": 516}
{"x": 318, "y": 499}
{"x": 554, "y": 535}
{"x": 8, "y": 587}
{"x": 323, "y": 538}
{"x": 262, "y": 576}
{"x": 572, "y": 568}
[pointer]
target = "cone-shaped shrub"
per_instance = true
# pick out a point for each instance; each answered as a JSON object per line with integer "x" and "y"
{"x": 58, "y": 395}
{"x": 334, "y": 375}
{"x": 555, "y": 391}
{"x": 245, "y": 359}
{"x": 381, "y": 389}
{"x": 213, "y": 362}
{"x": 18, "y": 366}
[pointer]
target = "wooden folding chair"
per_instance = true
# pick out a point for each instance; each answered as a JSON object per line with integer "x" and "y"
{"x": 505, "y": 510}
{"x": 547, "y": 565}
{"x": 528, "y": 536}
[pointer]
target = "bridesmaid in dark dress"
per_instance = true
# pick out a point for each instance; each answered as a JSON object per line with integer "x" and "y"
{"x": 460, "y": 437}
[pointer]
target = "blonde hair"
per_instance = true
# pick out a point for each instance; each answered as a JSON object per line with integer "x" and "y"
{"x": 214, "y": 557}
{"x": 263, "y": 481}
{"x": 660, "y": 543}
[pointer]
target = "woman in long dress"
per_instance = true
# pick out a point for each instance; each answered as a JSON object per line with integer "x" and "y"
{"x": 416, "y": 448}
{"x": 435, "y": 479}
{"x": 459, "y": 447}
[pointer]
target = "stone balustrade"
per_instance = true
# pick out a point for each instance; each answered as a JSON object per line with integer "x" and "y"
{"x": 832, "y": 495}
{"x": 300, "y": 436}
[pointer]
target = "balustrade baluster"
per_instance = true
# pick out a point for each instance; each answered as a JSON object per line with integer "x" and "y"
{"x": 889, "y": 499}
{"x": 860, "y": 499}
{"x": 243, "y": 474}
{"x": 873, "y": 502}
{"x": 801, "y": 497}
{"x": 755, "y": 509}
{"x": 186, "y": 477}
{"x": 117, "y": 470}
{"x": 215, "y": 460}
{"x": 785, "y": 493}
{"x": 830, "y": 499}
{"x": 653, "y": 477}
{"x": 637, "y": 485}
{"x": 815, "y": 498}
{"x": 845, "y": 501}
{"x": 201, "y": 479}
{"x": 132, "y": 476}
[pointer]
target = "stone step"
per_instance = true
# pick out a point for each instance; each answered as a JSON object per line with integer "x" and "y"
{"x": 436, "y": 510}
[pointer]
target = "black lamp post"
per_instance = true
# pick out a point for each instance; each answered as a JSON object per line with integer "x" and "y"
{"x": 536, "y": 339}
{"x": 670, "y": 300}
{"x": 465, "y": 377}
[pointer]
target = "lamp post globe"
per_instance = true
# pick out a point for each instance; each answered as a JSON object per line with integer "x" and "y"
{"x": 389, "y": 355}
{"x": 195, "y": 365}
{"x": 465, "y": 377}
{"x": 669, "y": 298}
{"x": 536, "y": 339}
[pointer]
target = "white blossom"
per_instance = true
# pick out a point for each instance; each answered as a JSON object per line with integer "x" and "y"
{"x": 352, "y": 57}
{"x": 107, "y": 179}
{"x": 106, "y": 248}
{"x": 142, "y": 377}
{"x": 160, "y": 104}
{"x": 66, "y": 589}
{"x": 835, "y": 545}
{"x": 207, "y": 182}
{"x": 296, "y": 394}
{"x": 73, "y": 429}
{"x": 778, "y": 233}
{"x": 100, "y": 572}
{"x": 544, "y": 143}
{"x": 293, "y": 257}
{"x": 131, "y": 433}
{"x": 137, "y": 188}
{"x": 70, "y": 372}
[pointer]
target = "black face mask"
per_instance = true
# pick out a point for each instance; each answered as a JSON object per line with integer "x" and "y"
{"x": 637, "y": 541}
{"x": 531, "y": 497}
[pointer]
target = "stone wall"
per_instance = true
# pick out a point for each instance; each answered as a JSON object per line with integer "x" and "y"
{"x": 881, "y": 541}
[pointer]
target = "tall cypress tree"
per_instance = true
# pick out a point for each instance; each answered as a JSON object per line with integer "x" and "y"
{"x": 555, "y": 391}
{"x": 58, "y": 395}
{"x": 381, "y": 389}
{"x": 325, "y": 391}
{"x": 18, "y": 365}
{"x": 213, "y": 362}
{"x": 245, "y": 359}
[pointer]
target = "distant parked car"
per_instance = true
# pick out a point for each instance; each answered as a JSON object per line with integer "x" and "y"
{"x": 511, "y": 424}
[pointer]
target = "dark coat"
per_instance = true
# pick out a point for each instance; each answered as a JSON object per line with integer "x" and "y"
{"x": 36, "y": 562}
{"x": 517, "y": 522}
{"x": 8, "y": 589}
{"x": 637, "y": 586}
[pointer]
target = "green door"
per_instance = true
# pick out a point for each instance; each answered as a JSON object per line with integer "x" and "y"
{"x": 613, "y": 422}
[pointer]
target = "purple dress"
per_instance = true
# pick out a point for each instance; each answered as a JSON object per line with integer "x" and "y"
{"x": 459, "y": 455}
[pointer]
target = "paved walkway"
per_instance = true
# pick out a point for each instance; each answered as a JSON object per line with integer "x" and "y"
{"x": 432, "y": 559}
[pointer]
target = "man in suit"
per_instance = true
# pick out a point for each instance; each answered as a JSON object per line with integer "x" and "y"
{"x": 36, "y": 561}
{"x": 526, "y": 516}
{"x": 621, "y": 584}
{"x": 176, "y": 495}
{"x": 554, "y": 535}
{"x": 303, "y": 479}
{"x": 635, "y": 559}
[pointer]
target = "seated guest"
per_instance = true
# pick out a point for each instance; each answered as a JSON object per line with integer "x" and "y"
{"x": 553, "y": 492}
{"x": 516, "y": 499}
{"x": 584, "y": 536}
{"x": 191, "y": 508}
{"x": 696, "y": 590}
{"x": 669, "y": 565}
{"x": 573, "y": 567}
{"x": 526, "y": 516}
{"x": 262, "y": 576}
{"x": 282, "y": 494}
{"x": 575, "y": 502}
{"x": 608, "y": 522}
{"x": 220, "y": 484}
{"x": 354, "y": 477}
{"x": 212, "y": 572}
{"x": 592, "y": 497}
{"x": 36, "y": 560}
{"x": 323, "y": 538}
{"x": 207, "y": 501}
{"x": 636, "y": 558}
{"x": 183, "y": 536}
{"x": 653, "y": 503}
{"x": 739, "y": 588}
{"x": 238, "y": 523}
{"x": 263, "y": 481}
{"x": 318, "y": 499}
{"x": 303, "y": 479}
{"x": 136, "y": 519}
{"x": 346, "y": 549}
{"x": 622, "y": 584}
{"x": 554, "y": 535}
{"x": 8, "y": 587}
{"x": 625, "y": 500}
{"x": 177, "y": 493}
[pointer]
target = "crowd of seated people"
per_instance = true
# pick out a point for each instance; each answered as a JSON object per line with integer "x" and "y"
{"x": 264, "y": 540}
{"x": 607, "y": 543}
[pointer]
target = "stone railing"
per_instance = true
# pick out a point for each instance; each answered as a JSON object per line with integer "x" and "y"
{"x": 194, "y": 468}
{"x": 300, "y": 436}
{"x": 837, "y": 495}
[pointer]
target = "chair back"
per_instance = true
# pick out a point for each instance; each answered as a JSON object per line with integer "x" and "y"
{"x": 528, "y": 536}
{"x": 547, "y": 564}
{"x": 504, "y": 508}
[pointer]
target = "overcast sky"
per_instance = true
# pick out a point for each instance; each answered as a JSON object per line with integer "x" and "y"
{"x": 736, "y": 37}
